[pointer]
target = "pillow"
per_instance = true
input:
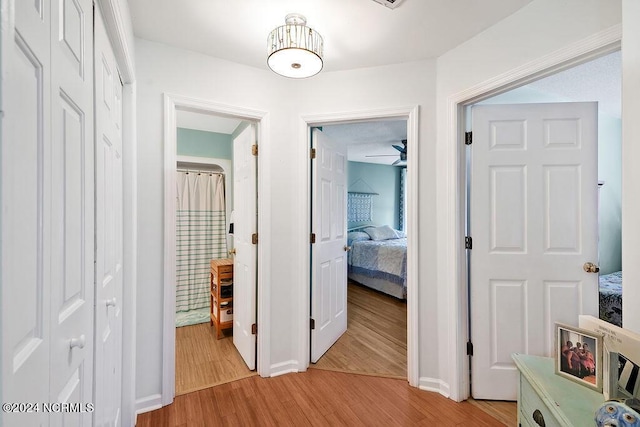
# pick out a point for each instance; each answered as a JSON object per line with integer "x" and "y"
{"x": 401, "y": 234}
{"x": 384, "y": 232}
{"x": 356, "y": 236}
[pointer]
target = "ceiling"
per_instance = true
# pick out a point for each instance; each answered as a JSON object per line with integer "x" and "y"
{"x": 598, "y": 80}
{"x": 206, "y": 122}
{"x": 370, "y": 142}
{"x": 237, "y": 31}
{"x": 357, "y": 33}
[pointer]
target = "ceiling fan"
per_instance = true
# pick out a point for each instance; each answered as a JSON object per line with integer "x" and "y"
{"x": 403, "y": 154}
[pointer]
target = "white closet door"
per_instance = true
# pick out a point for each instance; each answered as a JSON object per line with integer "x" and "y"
{"x": 108, "y": 158}
{"x": 47, "y": 208}
{"x": 71, "y": 209}
{"x": 26, "y": 198}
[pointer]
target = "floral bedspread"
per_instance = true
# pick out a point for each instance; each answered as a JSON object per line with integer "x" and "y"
{"x": 611, "y": 298}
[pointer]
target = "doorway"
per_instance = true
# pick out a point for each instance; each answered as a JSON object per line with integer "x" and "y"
{"x": 596, "y": 80}
{"x": 201, "y": 338}
{"x": 410, "y": 118}
{"x": 205, "y": 352}
{"x": 373, "y": 272}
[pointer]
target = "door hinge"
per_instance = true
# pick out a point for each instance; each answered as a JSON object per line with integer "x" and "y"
{"x": 254, "y": 238}
{"x": 313, "y": 153}
{"x": 468, "y": 242}
{"x": 469, "y": 348}
{"x": 468, "y": 138}
{"x": 254, "y": 149}
{"x": 313, "y": 323}
{"x": 254, "y": 329}
{"x": 312, "y": 238}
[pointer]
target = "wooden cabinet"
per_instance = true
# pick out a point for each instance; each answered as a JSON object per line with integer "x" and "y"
{"x": 547, "y": 399}
{"x": 221, "y": 294}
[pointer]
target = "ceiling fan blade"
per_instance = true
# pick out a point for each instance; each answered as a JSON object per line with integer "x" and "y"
{"x": 381, "y": 155}
{"x": 396, "y": 162}
{"x": 400, "y": 149}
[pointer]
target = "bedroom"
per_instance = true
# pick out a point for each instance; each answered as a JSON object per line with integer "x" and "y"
{"x": 375, "y": 341}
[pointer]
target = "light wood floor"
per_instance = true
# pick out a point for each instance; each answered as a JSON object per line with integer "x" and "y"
{"x": 376, "y": 339}
{"x": 319, "y": 398}
{"x": 202, "y": 361}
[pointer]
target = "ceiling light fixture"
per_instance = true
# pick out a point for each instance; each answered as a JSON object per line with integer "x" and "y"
{"x": 295, "y": 50}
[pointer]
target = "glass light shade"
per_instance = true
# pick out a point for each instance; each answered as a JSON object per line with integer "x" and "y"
{"x": 295, "y": 50}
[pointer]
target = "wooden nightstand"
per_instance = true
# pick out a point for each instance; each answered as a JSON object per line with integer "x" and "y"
{"x": 221, "y": 294}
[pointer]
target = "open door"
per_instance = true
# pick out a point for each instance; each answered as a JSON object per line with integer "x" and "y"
{"x": 245, "y": 259}
{"x": 533, "y": 183}
{"x": 329, "y": 252}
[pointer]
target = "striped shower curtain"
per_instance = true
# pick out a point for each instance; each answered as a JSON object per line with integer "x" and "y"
{"x": 200, "y": 235}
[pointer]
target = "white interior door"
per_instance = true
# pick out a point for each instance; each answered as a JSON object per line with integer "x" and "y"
{"x": 108, "y": 301}
{"x": 47, "y": 208}
{"x": 533, "y": 183}
{"x": 328, "y": 254}
{"x": 245, "y": 260}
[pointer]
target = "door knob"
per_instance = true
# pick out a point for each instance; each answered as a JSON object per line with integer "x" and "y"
{"x": 590, "y": 267}
{"x": 77, "y": 342}
{"x": 111, "y": 302}
{"x": 232, "y": 251}
{"x": 347, "y": 248}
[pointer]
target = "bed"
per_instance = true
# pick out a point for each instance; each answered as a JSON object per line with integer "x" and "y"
{"x": 610, "y": 298}
{"x": 378, "y": 259}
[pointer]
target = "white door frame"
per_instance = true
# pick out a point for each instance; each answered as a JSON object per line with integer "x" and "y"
{"x": 171, "y": 103}
{"x": 451, "y": 181}
{"x": 410, "y": 114}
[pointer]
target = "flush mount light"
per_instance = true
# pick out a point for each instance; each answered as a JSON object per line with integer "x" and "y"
{"x": 295, "y": 50}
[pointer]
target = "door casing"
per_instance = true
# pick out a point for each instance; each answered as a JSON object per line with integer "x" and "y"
{"x": 171, "y": 103}
{"x": 306, "y": 122}
{"x": 451, "y": 186}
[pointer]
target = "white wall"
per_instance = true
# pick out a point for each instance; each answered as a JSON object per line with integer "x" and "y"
{"x": 402, "y": 85}
{"x": 164, "y": 69}
{"x": 630, "y": 169}
{"x": 537, "y": 30}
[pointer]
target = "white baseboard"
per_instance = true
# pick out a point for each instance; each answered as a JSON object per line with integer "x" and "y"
{"x": 434, "y": 384}
{"x": 149, "y": 403}
{"x": 290, "y": 366}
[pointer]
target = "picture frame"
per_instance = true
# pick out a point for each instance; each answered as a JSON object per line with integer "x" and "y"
{"x": 578, "y": 355}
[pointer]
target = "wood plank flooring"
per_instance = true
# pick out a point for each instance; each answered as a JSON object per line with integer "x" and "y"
{"x": 318, "y": 398}
{"x": 506, "y": 412}
{"x": 376, "y": 339}
{"x": 375, "y": 344}
{"x": 202, "y": 361}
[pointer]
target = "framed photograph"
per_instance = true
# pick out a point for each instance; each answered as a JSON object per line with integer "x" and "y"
{"x": 579, "y": 355}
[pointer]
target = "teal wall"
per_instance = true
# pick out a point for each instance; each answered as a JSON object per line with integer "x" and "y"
{"x": 384, "y": 180}
{"x": 609, "y": 171}
{"x": 199, "y": 143}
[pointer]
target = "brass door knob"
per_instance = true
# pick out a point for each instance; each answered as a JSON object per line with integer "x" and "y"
{"x": 232, "y": 251}
{"x": 347, "y": 248}
{"x": 590, "y": 267}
